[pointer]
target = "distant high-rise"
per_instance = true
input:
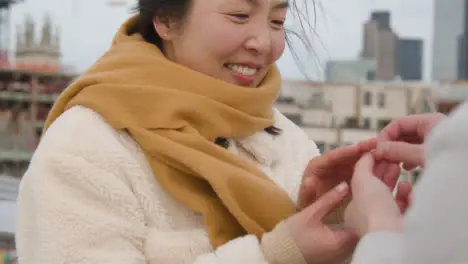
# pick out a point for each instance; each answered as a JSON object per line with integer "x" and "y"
{"x": 380, "y": 44}
{"x": 463, "y": 48}
{"x": 448, "y": 27}
{"x": 410, "y": 57}
{"x": 382, "y": 18}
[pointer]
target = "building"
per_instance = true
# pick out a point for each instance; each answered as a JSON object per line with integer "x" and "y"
{"x": 387, "y": 63}
{"x": 41, "y": 53}
{"x": 380, "y": 43}
{"x": 462, "y": 70}
{"x": 350, "y": 71}
{"x": 463, "y": 48}
{"x": 370, "y": 42}
{"x": 5, "y": 27}
{"x": 28, "y": 88}
{"x": 448, "y": 27}
{"x": 334, "y": 115}
{"x": 410, "y": 59}
{"x": 364, "y": 108}
{"x": 382, "y": 18}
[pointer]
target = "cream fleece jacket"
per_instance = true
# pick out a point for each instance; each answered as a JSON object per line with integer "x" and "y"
{"x": 89, "y": 196}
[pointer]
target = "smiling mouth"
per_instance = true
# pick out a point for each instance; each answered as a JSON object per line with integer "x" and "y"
{"x": 241, "y": 69}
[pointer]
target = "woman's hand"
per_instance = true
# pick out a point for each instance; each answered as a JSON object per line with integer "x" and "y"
{"x": 373, "y": 207}
{"x": 329, "y": 169}
{"x": 319, "y": 243}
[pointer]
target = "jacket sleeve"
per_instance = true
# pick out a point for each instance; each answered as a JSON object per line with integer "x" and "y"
{"x": 434, "y": 227}
{"x": 76, "y": 208}
{"x": 380, "y": 248}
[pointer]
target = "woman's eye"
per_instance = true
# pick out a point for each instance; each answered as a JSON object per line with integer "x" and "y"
{"x": 278, "y": 22}
{"x": 240, "y": 16}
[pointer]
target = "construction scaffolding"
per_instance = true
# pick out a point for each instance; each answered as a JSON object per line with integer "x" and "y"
{"x": 5, "y": 29}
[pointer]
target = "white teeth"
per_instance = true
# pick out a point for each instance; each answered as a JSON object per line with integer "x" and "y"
{"x": 242, "y": 69}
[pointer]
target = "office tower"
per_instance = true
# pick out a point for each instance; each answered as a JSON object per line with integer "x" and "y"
{"x": 463, "y": 48}
{"x": 410, "y": 59}
{"x": 448, "y": 27}
{"x": 380, "y": 44}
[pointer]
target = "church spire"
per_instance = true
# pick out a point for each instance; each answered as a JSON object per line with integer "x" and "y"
{"x": 42, "y": 53}
{"x": 46, "y": 40}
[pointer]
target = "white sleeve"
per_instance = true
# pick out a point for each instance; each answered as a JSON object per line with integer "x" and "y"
{"x": 434, "y": 225}
{"x": 379, "y": 248}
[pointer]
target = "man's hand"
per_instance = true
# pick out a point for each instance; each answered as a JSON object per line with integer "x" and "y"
{"x": 403, "y": 139}
{"x": 373, "y": 207}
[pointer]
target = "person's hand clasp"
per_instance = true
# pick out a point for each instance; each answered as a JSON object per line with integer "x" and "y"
{"x": 325, "y": 189}
{"x": 320, "y": 194}
{"x": 373, "y": 207}
{"x": 328, "y": 170}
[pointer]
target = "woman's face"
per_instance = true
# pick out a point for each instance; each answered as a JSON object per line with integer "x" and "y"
{"x": 232, "y": 40}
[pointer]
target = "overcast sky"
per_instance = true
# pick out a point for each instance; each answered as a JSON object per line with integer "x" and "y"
{"x": 87, "y": 27}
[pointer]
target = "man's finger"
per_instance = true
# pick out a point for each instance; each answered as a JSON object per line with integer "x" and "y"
{"x": 381, "y": 168}
{"x": 329, "y": 201}
{"x": 363, "y": 168}
{"x": 403, "y": 196}
{"x": 410, "y": 166}
{"x": 391, "y": 176}
{"x": 417, "y": 125}
{"x": 365, "y": 164}
{"x": 409, "y": 154}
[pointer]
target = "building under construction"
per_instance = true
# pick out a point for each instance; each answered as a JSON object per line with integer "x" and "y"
{"x": 30, "y": 81}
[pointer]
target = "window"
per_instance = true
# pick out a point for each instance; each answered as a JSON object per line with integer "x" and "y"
{"x": 351, "y": 122}
{"x": 367, "y": 98}
{"x": 371, "y": 75}
{"x": 381, "y": 100}
{"x": 366, "y": 124}
{"x": 317, "y": 97}
{"x": 382, "y": 123}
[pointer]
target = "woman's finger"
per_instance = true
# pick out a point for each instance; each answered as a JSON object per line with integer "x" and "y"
{"x": 328, "y": 202}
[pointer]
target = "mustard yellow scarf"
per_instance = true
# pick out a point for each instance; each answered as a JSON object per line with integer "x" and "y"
{"x": 175, "y": 114}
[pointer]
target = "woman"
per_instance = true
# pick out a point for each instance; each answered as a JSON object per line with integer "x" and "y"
{"x": 433, "y": 229}
{"x": 168, "y": 150}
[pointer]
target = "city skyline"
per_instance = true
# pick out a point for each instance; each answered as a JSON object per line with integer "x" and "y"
{"x": 86, "y": 36}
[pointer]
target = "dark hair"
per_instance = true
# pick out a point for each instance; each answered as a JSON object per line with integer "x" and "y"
{"x": 177, "y": 10}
